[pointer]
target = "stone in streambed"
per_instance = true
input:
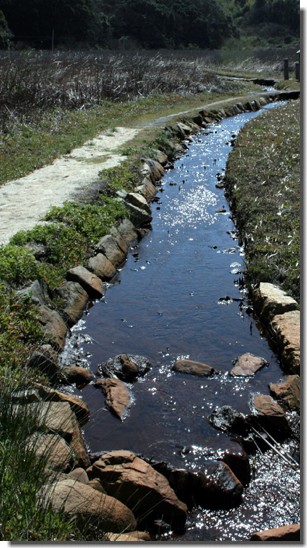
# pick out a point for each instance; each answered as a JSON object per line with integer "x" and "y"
{"x": 193, "y": 368}
{"x": 247, "y": 365}
{"x": 126, "y": 367}
{"x": 288, "y": 391}
{"x": 135, "y": 482}
{"x": 290, "y": 533}
{"x": 89, "y": 281}
{"x": 117, "y": 395}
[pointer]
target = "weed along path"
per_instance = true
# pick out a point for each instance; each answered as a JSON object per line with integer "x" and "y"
{"x": 178, "y": 309}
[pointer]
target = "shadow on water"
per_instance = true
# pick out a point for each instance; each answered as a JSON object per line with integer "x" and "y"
{"x": 180, "y": 295}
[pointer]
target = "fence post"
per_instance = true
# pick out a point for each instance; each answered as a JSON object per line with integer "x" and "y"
{"x": 297, "y": 70}
{"x": 286, "y": 69}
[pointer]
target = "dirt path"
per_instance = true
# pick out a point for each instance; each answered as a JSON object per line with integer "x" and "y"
{"x": 24, "y": 202}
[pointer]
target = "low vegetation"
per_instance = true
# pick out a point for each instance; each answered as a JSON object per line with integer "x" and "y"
{"x": 263, "y": 181}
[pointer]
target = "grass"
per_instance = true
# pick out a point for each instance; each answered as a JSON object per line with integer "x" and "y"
{"x": 263, "y": 181}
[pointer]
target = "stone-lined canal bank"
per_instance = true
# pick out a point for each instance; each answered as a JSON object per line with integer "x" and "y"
{"x": 151, "y": 491}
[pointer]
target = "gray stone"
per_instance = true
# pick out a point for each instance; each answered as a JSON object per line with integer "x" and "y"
{"x": 128, "y": 231}
{"x": 102, "y": 267}
{"x": 139, "y": 201}
{"x": 46, "y": 360}
{"x": 78, "y": 406}
{"x": 54, "y": 326}
{"x": 75, "y": 301}
{"x": 126, "y": 367}
{"x": 53, "y": 448}
{"x": 110, "y": 248}
{"x": 75, "y": 374}
{"x": 138, "y": 216}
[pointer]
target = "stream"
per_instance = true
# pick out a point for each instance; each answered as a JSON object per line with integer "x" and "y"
{"x": 180, "y": 295}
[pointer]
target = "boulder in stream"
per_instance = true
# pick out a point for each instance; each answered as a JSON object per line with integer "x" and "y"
{"x": 138, "y": 485}
{"x": 193, "y": 368}
{"x": 290, "y": 533}
{"x": 288, "y": 392}
{"x": 247, "y": 365}
{"x": 117, "y": 395}
{"x": 126, "y": 367}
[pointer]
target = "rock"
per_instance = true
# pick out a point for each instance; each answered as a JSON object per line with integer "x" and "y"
{"x": 54, "y": 326}
{"x": 78, "y": 447}
{"x": 126, "y": 367}
{"x": 147, "y": 189}
{"x": 102, "y": 267}
{"x": 270, "y": 415}
{"x": 78, "y": 406}
{"x": 193, "y": 368}
{"x": 78, "y": 474}
{"x": 108, "y": 245}
{"x": 229, "y": 420}
{"x": 75, "y": 498}
{"x": 138, "y": 216}
{"x": 128, "y": 232}
{"x": 75, "y": 301}
{"x": 95, "y": 484}
{"x": 139, "y": 201}
{"x": 247, "y": 365}
{"x": 89, "y": 281}
{"x": 286, "y": 329}
{"x": 119, "y": 238}
{"x": 152, "y": 168}
{"x": 46, "y": 360}
{"x": 77, "y": 375}
{"x": 216, "y": 486}
{"x": 270, "y": 300}
{"x": 143, "y": 489}
{"x": 134, "y": 536}
{"x": 53, "y": 448}
{"x": 288, "y": 392}
{"x": 117, "y": 395}
{"x": 53, "y": 416}
{"x": 160, "y": 157}
{"x": 290, "y": 533}
{"x": 37, "y": 292}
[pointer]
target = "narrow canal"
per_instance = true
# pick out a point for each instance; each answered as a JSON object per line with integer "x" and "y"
{"x": 180, "y": 294}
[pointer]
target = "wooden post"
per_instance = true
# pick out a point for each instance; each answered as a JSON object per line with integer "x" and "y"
{"x": 297, "y": 70}
{"x": 286, "y": 69}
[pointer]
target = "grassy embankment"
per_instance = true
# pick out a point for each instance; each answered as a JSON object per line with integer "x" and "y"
{"x": 263, "y": 180}
{"x": 36, "y": 128}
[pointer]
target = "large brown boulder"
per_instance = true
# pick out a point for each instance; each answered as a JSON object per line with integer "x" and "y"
{"x": 102, "y": 267}
{"x": 117, "y": 395}
{"x": 269, "y": 414}
{"x": 76, "y": 374}
{"x": 127, "y": 367}
{"x": 269, "y": 300}
{"x": 53, "y": 325}
{"x": 247, "y": 365}
{"x": 75, "y": 300}
{"x": 288, "y": 391}
{"x": 108, "y": 246}
{"x": 216, "y": 486}
{"x": 89, "y": 281}
{"x": 286, "y": 329}
{"x": 128, "y": 232}
{"x": 134, "y": 536}
{"x": 46, "y": 360}
{"x": 77, "y": 405}
{"x": 78, "y": 499}
{"x": 290, "y": 533}
{"x": 136, "y": 483}
{"x": 193, "y": 368}
{"x": 53, "y": 448}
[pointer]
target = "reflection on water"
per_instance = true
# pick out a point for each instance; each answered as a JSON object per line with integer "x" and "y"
{"x": 180, "y": 295}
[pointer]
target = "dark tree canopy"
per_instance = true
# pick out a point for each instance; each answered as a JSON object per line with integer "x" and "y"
{"x": 146, "y": 23}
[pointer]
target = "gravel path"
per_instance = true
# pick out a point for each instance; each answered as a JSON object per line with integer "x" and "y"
{"x": 25, "y": 201}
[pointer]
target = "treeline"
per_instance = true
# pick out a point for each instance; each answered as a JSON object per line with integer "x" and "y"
{"x": 136, "y": 23}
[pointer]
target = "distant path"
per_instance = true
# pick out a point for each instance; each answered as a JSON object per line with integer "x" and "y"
{"x": 24, "y": 202}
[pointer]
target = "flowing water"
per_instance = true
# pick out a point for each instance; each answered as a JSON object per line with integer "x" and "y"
{"x": 180, "y": 294}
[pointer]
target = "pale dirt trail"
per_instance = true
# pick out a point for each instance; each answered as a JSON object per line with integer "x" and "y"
{"x": 24, "y": 202}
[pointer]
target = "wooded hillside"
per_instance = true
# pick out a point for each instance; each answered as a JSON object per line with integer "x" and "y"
{"x": 125, "y": 24}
